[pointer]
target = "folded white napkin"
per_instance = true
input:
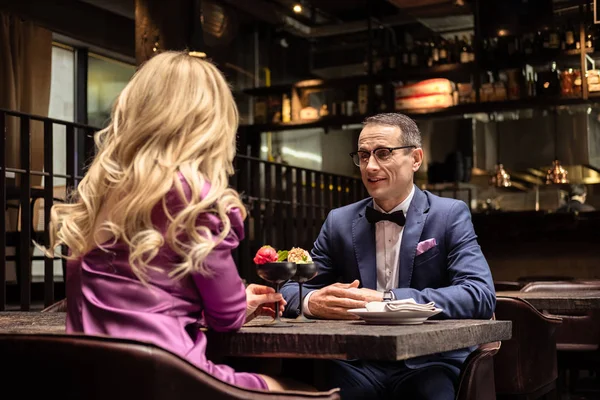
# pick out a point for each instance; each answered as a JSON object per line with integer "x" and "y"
{"x": 399, "y": 305}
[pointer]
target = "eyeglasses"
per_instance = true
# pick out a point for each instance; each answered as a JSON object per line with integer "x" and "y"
{"x": 361, "y": 157}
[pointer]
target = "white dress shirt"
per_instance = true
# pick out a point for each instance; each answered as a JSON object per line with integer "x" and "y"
{"x": 388, "y": 238}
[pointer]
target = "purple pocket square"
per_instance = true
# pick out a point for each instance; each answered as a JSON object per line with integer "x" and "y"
{"x": 425, "y": 245}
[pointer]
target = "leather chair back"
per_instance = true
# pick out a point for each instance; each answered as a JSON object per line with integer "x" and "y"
{"x": 477, "y": 377}
{"x": 526, "y": 364}
{"x": 500, "y": 286}
{"x": 580, "y": 330}
{"x": 59, "y": 306}
{"x": 92, "y": 367}
{"x": 560, "y": 286}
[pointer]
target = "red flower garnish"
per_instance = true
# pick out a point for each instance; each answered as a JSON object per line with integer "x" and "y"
{"x": 265, "y": 254}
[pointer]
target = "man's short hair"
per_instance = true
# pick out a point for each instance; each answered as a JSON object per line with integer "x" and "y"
{"x": 577, "y": 189}
{"x": 409, "y": 131}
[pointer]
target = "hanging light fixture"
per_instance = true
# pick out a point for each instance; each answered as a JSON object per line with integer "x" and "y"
{"x": 556, "y": 174}
{"x": 501, "y": 178}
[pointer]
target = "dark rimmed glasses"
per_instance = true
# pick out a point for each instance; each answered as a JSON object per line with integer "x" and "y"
{"x": 361, "y": 157}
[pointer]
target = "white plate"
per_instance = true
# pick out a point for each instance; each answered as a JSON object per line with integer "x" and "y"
{"x": 394, "y": 317}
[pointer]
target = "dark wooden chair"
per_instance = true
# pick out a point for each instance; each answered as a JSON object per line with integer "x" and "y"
{"x": 92, "y": 367}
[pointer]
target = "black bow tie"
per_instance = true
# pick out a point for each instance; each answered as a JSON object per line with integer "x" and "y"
{"x": 374, "y": 216}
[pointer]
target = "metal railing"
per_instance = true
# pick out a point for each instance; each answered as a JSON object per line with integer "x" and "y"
{"x": 286, "y": 205}
{"x": 23, "y": 193}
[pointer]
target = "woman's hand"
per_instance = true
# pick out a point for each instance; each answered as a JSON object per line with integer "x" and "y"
{"x": 259, "y": 301}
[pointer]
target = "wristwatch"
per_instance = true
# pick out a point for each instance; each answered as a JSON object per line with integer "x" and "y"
{"x": 388, "y": 295}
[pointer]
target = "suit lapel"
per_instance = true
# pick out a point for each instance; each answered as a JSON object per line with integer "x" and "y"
{"x": 363, "y": 241}
{"x": 415, "y": 220}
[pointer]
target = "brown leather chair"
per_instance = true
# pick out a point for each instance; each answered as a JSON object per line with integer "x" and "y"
{"x": 476, "y": 380}
{"x": 545, "y": 278}
{"x": 477, "y": 377}
{"x": 500, "y": 286}
{"x": 560, "y": 286}
{"x": 580, "y": 331}
{"x": 92, "y": 367}
{"x": 59, "y": 306}
{"x": 578, "y": 338}
{"x": 525, "y": 366}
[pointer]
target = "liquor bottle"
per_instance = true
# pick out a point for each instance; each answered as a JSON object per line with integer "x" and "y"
{"x": 435, "y": 52}
{"x": 530, "y": 84}
{"x": 538, "y": 43}
{"x": 545, "y": 40}
{"x": 513, "y": 47}
{"x": 590, "y": 28}
{"x": 414, "y": 55}
{"x": 563, "y": 41}
{"x": 392, "y": 65}
{"x": 405, "y": 58}
{"x": 443, "y": 52}
{"x": 465, "y": 55}
{"x": 553, "y": 39}
{"x": 486, "y": 53}
{"x": 286, "y": 109}
{"x": 570, "y": 36}
{"x": 456, "y": 49}
{"x": 471, "y": 48}
{"x": 527, "y": 42}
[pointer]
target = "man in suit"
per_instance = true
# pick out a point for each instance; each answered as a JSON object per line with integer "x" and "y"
{"x": 400, "y": 243}
{"x": 576, "y": 200}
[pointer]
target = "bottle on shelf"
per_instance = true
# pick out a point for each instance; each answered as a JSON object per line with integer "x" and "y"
{"x": 443, "y": 52}
{"x": 530, "y": 84}
{"x": 590, "y": 29}
{"x": 471, "y": 48}
{"x": 538, "y": 43}
{"x": 456, "y": 49}
{"x": 527, "y": 44}
{"x": 286, "y": 109}
{"x": 414, "y": 55}
{"x": 392, "y": 61}
{"x": 405, "y": 57}
{"x": 545, "y": 40}
{"x": 553, "y": 39}
{"x": 435, "y": 53}
{"x": 465, "y": 55}
{"x": 569, "y": 37}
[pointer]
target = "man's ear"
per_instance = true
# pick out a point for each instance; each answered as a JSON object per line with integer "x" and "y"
{"x": 417, "y": 155}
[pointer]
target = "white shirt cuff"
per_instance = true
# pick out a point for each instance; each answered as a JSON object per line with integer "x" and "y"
{"x": 305, "y": 310}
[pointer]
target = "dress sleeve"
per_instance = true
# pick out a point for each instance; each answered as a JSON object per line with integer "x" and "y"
{"x": 222, "y": 291}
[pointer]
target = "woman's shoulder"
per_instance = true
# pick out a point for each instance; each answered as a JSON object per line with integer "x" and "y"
{"x": 180, "y": 197}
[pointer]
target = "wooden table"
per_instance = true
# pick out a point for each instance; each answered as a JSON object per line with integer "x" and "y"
{"x": 322, "y": 339}
{"x": 577, "y": 300}
{"x": 355, "y": 339}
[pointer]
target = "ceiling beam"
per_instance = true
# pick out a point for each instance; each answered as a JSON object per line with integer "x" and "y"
{"x": 265, "y": 11}
{"x": 80, "y": 21}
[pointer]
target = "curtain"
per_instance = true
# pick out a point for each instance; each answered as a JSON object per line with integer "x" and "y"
{"x": 25, "y": 76}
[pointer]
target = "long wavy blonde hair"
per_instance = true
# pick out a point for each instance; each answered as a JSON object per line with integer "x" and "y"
{"x": 176, "y": 116}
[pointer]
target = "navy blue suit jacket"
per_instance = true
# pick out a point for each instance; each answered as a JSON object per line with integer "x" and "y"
{"x": 454, "y": 274}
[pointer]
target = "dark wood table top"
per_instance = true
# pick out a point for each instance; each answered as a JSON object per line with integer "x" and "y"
{"x": 355, "y": 339}
{"x": 577, "y": 300}
{"x": 32, "y": 322}
{"x": 322, "y": 339}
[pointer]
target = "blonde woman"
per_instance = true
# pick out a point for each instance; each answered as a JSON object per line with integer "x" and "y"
{"x": 153, "y": 223}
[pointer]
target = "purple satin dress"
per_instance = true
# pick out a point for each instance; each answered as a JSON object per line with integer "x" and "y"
{"x": 106, "y": 298}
